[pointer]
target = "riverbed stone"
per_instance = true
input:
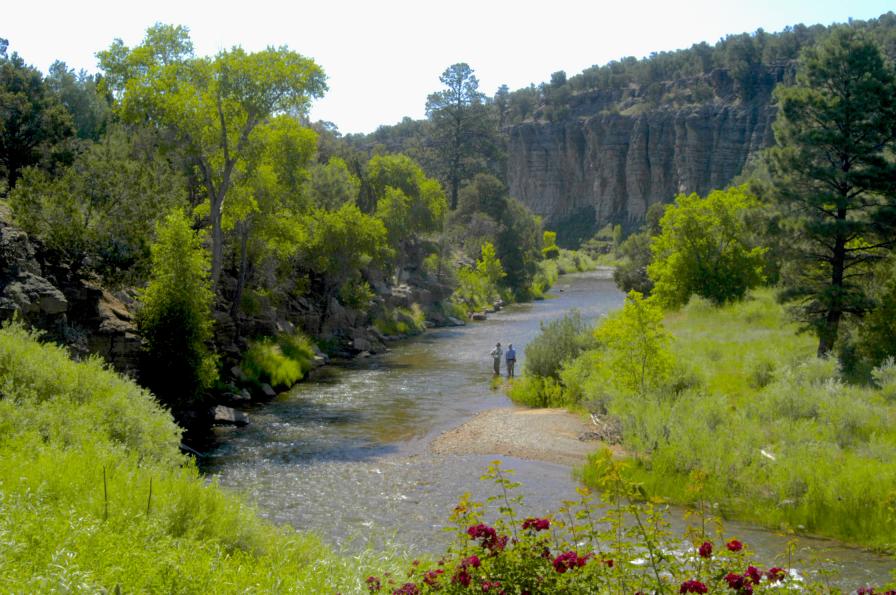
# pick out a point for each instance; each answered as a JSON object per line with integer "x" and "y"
{"x": 227, "y": 415}
{"x": 268, "y": 391}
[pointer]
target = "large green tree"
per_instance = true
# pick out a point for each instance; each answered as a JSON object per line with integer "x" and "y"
{"x": 213, "y": 107}
{"x": 834, "y": 177}
{"x": 33, "y": 122}
{"x": 706, "y": 248}
{"x": 462, "y": 126}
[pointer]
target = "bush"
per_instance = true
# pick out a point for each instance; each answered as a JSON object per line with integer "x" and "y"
{"x": 175, "y": 316}
{"x": 401, "y": 321}
{"x": 559, "y": 341}
{"x": 281, "y": 361}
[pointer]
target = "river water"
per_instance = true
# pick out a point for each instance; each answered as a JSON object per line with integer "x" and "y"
{"x": 347, "y": 455}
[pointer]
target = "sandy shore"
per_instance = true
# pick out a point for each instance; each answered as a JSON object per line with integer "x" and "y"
{"x": 550, "y": 435}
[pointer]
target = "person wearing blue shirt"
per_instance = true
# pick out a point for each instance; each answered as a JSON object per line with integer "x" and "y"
{"x": 511, "y": 360}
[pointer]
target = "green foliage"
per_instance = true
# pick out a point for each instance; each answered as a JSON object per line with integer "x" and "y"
{"x": 776, "y": 436}
{"x": 489, "y": 265}
{"x": 332, "y": 185}
{"x": 636, "y": 345}
{"x": 214, "y": 108}
{"x": 877, "y": 331}
{"x": 705, "y": 248}
{"x": 558, "y": 342}
{"x": 631, "y": 273}
{"x": 96, "y": 496}
{"x": 175, "y": 315}
{"x": 401, "y": 321}
{"x": 100, "y": 213}
{"x": 281, "y": 361}
{"x": 537, "y": 391}
{"x": 34, "y": 124}
{"x": 549, "y": 248}
{"x": 830, "y": 177}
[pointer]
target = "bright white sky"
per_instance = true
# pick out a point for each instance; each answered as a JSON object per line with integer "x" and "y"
{"x": 383, "y": 58}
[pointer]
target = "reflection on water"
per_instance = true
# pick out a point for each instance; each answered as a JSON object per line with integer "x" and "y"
{"x": 347, "y": 455}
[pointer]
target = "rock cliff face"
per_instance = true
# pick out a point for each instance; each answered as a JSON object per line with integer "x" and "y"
{"x": 614, "y": 154}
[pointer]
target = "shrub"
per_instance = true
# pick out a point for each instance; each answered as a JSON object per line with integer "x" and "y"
{"x": 401, "y": 321}
{"x": 175, "y": 316}
{"x": 559, "y": 341}
{"x": 280, "y": 361}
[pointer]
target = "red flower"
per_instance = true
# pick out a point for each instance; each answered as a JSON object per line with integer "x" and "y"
{"x": 609, "y": 563}
{"x": 568, "y": 561}
{"x": 470, "y": 561}
{"x": 776, "y": 574}
{"x": 536, "y": 524}
{"x": 373, "y": 584}
{"x": 487, "y": 536}
{"x": 407, "y": 589}
{"x": 693, "y": 587}
{"x": 734, "y": 546}
{"x": 735, "y": 581}
{"x": 463, "y": 577}
{"x": 706, "y": 550}
{"x": 754, "y": 574}
{"x": 431, "y": 577}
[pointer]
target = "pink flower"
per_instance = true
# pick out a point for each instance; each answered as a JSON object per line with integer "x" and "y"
{"x": 470, "y": 561}
{"x": 706, "y": 550}
{"x": 536, "y": 524}
{"x": 487, "y": 536}
{"x": 463, "y": 577}
{"x": 735, "y": 581}
{"x": 431, "y": 577}
{"x": 734, "y": 546}
{"x": 407, "y": 589}
{"x": 693, "y": 587}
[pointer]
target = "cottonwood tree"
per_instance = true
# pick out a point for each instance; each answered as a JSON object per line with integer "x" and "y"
{"x": 212, "y": 106}
{"x": 834, "y": 178}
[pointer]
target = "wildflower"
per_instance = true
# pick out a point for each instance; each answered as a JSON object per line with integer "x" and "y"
{"x": 609, "y": 563}
{"x": 706, "y": 550}
{"x": 470, "y": 561}
{"x": 489, "y": 585}
{"x": 735, "y": 581}
{"x": 776, "y": 574}
{"x": 431, "y": 577}
{"x": 536, "y": 524}
{"x": 407, "y": 589}
{"x": 373, "y": 584}
{"x": 463, "y": 578}
{"x": 734, "y": 546}
{"x": 487, "y": 536}
{"x": 693, "y": 587}
{"x": 754, "y": 574}
{"x": 568, "y": 561}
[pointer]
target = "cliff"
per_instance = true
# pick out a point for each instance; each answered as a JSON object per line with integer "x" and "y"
{"x": 610, "y": 155}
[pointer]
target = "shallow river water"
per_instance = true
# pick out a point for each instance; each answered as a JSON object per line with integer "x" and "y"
{"x": 347, "y": 456}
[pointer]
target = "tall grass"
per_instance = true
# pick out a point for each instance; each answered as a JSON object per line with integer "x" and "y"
{"x": 95, "y": 495}
{"x": 779, "y": 438}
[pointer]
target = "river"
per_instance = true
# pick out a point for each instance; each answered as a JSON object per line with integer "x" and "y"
{"x": 347, "y": 455}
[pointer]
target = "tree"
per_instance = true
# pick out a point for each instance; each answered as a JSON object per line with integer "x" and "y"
{"x": 462, "y": 128}
{"x": 636, "y": 344}
{"x": 80, "y": 95}
{"x": 212, "y": 106}
{"x": 175, "y": 317}
{"x": 33, "y": 123}
{"x": 332, "y": 184}
{"x": 705, "y": 248}
{"x": 100, "y": 213}
{"x": 834, "y": 179}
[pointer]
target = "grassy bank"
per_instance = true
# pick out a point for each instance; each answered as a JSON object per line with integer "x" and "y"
{"x": 765, "y": 429}
{"x": 94, "y": 494}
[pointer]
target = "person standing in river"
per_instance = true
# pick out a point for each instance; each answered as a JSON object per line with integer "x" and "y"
{"x": 496, "y": 356}
{"x": 511, "y": 359}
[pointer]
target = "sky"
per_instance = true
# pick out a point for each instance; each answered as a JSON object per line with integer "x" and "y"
{"x": 382, "y": 58}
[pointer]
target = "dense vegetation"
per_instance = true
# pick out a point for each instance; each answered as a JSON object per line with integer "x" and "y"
{"x": 724, "y": 389}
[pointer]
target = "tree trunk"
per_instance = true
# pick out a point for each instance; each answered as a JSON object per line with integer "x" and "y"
{"x": 242, "y": 275}
{"x": 827, "y": 334}
{"x": 217, "y": 241}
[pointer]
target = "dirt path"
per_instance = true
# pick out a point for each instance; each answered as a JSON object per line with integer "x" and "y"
{"x": 538, "y": 434}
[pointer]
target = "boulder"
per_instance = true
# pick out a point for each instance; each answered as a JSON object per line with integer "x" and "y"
{"x": 478, "y": 316}
{"x": 452, "y": 321}
{"x": 228, "y": 415}
{"x": 238, "y": 374}
{"x": 31, "y": 294}
{"x": 268, "y": 391}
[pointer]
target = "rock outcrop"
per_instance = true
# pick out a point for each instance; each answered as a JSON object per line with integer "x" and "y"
{"x": 612, "y": 155}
